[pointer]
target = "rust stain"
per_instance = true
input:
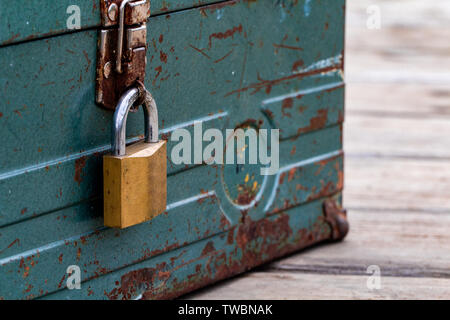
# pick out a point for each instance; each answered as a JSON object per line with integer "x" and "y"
{"x": 281, "y": 180}
{"x": 267, "y": 233}
{"x": 293, "y": 150}
{"x": 224, "y": 57}
{"x": 317, "y": 122}
{"x": 88, "y": 60}
{"x": 297, "y": 64}
{"x": 298, "y": 186}
{"x": 16, "y": 241}
{"x": 224, "y": 223}
{"x": 163, "y": 57}
{"x": 48, "y": 83}
{"x": 208, "y": 248}
{"x": 268, "y": 84}
{"x": 301, "y": 109}
{"x": 28, "y": 288}
{"x": 12, "y": 38}
{"x": 158, "y": 70}
{"x": 247, "y": 191}
{"x": 273, "y": 236}
{"x": 199, "y": 50}
{"x": 287, "y": 104}
{"x": 80, "y": 163}
{"x": 134, "y": 282}
{"x": 282, "y": 46}
{"x": 245, "y": 197}
{"x": 26, "y": 268}
{"x": 61, "y": 281}
{"x": 326, "y": 189}
{"x": 291, "y": 174}
{"x": 224, "y": 35}
{"x": 269, "y": 113}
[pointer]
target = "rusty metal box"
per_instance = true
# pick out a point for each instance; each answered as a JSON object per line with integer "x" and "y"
{"x": 261, "y": 63}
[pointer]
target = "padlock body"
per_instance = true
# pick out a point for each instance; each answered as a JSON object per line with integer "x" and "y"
{"x": 135, "y": 185}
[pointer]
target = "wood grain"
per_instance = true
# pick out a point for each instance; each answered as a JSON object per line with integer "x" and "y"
{"x": 408, "y": 48}
{"x": 288, "y": 285}
{"x": 398, "y": 101}
{"x": 404, "y": 244}
{"x": 396, "y": 183}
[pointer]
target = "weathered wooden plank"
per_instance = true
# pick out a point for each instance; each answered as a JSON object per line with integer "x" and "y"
{"x": 401, "y": 243}
{"x": 376, "y": 56}
{"x": 414, "y": 13}
{"x": 397, "y": 101}
{"x": 402, "y": 137}
{"x": 382, "y": 183}
{"x": 295, "y": 286}
{"x": 407, "y": 48}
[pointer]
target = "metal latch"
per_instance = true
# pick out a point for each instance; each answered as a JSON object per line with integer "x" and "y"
{"x": 121, "y": 55}
{"x": 336, "y": 218}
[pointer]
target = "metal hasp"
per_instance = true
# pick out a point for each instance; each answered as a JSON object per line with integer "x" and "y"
{"x": 336, "y": 217}
{"x": 121, "y": 54}
{"x": 120, "y": 119}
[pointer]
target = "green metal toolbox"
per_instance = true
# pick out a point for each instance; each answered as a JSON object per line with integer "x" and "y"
{"x": 265, "y": 64}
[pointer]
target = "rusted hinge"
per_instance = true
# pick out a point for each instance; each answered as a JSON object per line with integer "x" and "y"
{"x": 122, "y": 48}
{"x": 336, "y": 217}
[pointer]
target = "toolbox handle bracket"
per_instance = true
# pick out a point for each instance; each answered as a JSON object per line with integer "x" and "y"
{"x": 122, "y": 49}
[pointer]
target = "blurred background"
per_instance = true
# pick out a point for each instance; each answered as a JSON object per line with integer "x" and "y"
{"x": 397, "y": 167}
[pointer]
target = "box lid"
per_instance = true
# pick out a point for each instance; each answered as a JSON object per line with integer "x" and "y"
{"x": 25, "y": 20}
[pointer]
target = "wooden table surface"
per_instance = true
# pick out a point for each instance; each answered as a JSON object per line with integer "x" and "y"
{"x": 397, "y": 185}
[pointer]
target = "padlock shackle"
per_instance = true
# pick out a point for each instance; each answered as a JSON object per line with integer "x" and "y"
{"x": 120, "y": 120}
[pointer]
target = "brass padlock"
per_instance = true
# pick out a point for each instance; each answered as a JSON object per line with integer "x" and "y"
{"x": 135, "y": 178}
